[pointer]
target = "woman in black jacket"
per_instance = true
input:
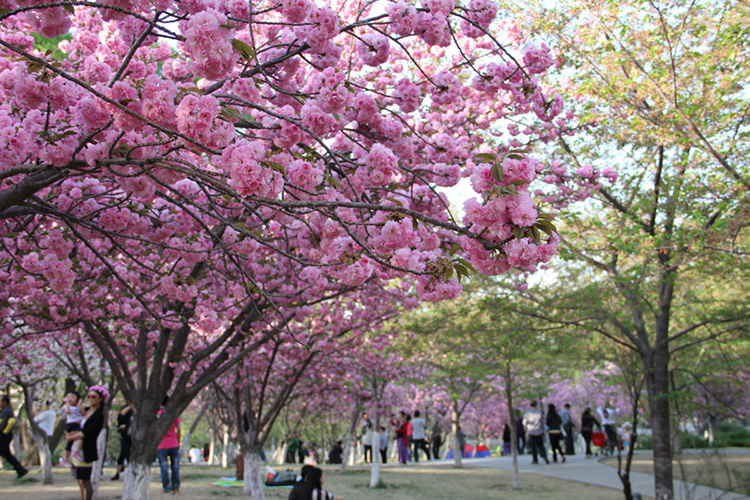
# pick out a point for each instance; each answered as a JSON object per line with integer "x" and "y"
{"x": 91, "y": 426}
{"x": 588, "y": 421}
{"x": 554, "y": 426}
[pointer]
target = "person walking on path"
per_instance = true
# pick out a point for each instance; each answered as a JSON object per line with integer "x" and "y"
{"x": 436, "y": 441}
{"x": 383, "y": 437}
{"x": 7, "y": 422}
{"x": 588, "y": 421}
{"x": 168, "y": 454}
{"x": 534, "y": 425}
{"x": 608, "y": 416}
{"x": 402, "y": 439}
{"x": 506, "y": 441}
{"x": 554, "y": 428}
{"x": 418, "y": 436}
{"x": 91, "y": 426}
{"x": 569, "y": 428}
{"x": 462, "y": 442}
{"x": 124, "y": 418}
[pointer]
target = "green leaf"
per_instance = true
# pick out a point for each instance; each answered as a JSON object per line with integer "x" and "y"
{"x": 485, "y": 157}
{"x": 244, "y": 49}
{"x": 455, "y": 248}
{"x": 518, "y": 232}
{"x": 497, "y": 172}
{"x": 69, "y": 9}
{"x": 394, "y": 200}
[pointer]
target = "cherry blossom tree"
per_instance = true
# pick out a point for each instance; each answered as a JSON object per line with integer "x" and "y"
{"x": 181, "y": 179}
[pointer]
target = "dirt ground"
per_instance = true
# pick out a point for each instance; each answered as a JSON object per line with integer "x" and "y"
{"x": 725, "y": 470}
{"x": 405, "y": 483}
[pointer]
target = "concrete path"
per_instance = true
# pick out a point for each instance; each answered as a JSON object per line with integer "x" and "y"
{"x": 579, "y": 468}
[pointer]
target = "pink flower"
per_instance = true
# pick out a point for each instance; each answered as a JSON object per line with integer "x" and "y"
{"x": 373, "y": 48}
{"x": 537, "y": 59}
{"x": 304, "y": 174}
{"x": 296, "y": 11}
{"x": 403, "y": 17}
{"x": 209, "y": 44}
{"x": 408, "y": 95}
{"x": 446, "y": 88}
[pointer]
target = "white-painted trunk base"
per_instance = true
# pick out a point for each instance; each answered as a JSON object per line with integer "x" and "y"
{"x": 253, "y": 482}
{"x": 137, "y": 482}
{"x": 45, "y": 458}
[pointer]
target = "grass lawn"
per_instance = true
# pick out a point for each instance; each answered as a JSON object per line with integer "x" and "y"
{"x": 725, "y": 470}
{"x": 406, "y": 483}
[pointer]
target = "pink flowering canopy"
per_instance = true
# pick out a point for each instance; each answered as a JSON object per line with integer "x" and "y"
{"x": 184, "y": 179}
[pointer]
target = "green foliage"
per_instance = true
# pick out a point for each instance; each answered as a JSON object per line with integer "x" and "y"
{"x": 645, "y": 442}
{"x": 692, "y": 440}
{"x": 732, "y": 435}
{"x": 46, "y": 44}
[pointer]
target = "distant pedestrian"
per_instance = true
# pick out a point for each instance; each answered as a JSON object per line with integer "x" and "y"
{"x": 462, "y": 442}
{"x": 520, "y": 432}
{"x": 383, "y": 437}
{"x": 124, "y": 419}
{"x": 554, "y": 429}
{"x": 46, "y": 420}
{"x": 588, "y": 421}
{"x": 336, "y": 455}
{"x": 206, "y": 451}
{"x": 402, "y": 439}
{"x": 609, "y": 422}
{"x": 418, "y": 436}
{"x": 366, "y": 438}
{"x": 569, "y": 428}
{"x": 302, "y": 452}
{"x": 436, "y": 441}
{"x": 7, "y": 422}
{"x": 534, "y": 425}
{"x": 168, "y": 455}
{"x": 291, "y": 450}
{"x": 506, "y": 441}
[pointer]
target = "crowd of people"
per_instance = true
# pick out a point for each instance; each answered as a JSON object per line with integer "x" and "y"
{"x": 561, "y": 427}
{"x": 535, "y": 429}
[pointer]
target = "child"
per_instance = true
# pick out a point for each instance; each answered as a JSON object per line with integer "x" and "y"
{"x": 73, "y": 419}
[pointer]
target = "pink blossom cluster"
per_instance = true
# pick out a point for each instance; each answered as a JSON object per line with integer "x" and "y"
{"x": 480, "y": 14}
{"x": 209, "y": 44}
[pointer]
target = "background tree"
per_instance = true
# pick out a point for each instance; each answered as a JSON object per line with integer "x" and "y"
{"x": 659, "y": 86}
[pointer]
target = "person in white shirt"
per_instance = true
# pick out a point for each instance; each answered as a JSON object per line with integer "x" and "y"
{"x": 608, "y": 417}
{"x": 196, "y": 455}
{"x": 46, "y": 420}
{"x": 418, "y": 436}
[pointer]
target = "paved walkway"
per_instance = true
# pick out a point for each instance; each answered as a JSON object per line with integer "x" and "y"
{"x": 579, "y": 468}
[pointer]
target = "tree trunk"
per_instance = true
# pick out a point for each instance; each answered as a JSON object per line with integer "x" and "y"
{"x": 225, "y": 448}
{"x": 513, "y": 430}
{"x": 45, "y": 456}
{"x": 711, "y": 431}
{"x": 137, "y": 479}
{"x": 657, "y": 384}
{"x": 375, "y": 470}
{"x": 212, "y": 449}
{"x": 101, "y": 450}
{"x": 189, "y": 433}
{"x": 350, "y": 439}
{"x": 252, "y": 478}
{"x": 457, "y": 451}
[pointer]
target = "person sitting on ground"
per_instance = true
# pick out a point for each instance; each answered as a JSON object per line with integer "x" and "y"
{"x": 299, "y": 486}
{"x": 336, "y": 455}
{"x": 314, "y": 487}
